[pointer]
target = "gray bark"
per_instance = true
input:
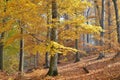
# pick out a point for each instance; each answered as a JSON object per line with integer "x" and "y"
{"x": 21, "y": 59}
{"x": 97, "y": 17}
{"x": 48, "y": 38}
{"x": 36, "y": 60}
{"x": 77, "y": 55}
{"x": 53, "y": 71}
{"x": 87, "y": 40}
{"x": 97, "y": 12}
{"x": 117, "y": 23}
{"x": 102, "y": 24}
{"x": 1, "y": 52}
{"x": 47, "y": 60}
{"x": 1, "y": 43}
{"x": 109, "y": 21}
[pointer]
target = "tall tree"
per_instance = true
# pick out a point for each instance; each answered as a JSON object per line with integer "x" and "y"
{"x": 77, "y": 56}
{"x": 47, "y": 53}
{"x": 53, "y": 71}
{"x": 21, "y": 60}
{"x": 109, "y": 20}
{"x": 1, "y": 38}
{"x": 102, "y": 24}
{"x": 48, "y": 37}
{"x": 1, "y": 52}
{"x": 117, "y": 23}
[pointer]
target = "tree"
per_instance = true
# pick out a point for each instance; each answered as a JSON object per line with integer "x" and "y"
{"x": 23, "y": 21}
{"x": 48, "y": 37}
{"x": 53, "y": 71}
{"x": 117, "y": 23}
{"x": 21, "y": 60}
{"x": 2, "y": 36}
{"x": 102, "y": 24}
{"x": 77, "y": 56}
{"x": 109, "y": 20}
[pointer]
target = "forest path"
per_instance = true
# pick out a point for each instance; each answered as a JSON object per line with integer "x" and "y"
{"x": 104, "y": 69}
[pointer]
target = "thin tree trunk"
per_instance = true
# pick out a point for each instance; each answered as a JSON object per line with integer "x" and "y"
{"x": 1, "y": 43}
{"x": 47, "y": 60}
{"x": 47, "y": 65}
{"x": 53, "y": 71}
{"x": 36, "y": 61}
{"x": 97, "y": 10}
{"x": 21, "y": 61}
{"x": 102, "y": 24}
{"x": 87, "y": 35}
{"x": 117, "y": 23}
{"x": 47, "y": 53}
{"x": 109, "y": 22}
{"x": 97, "y": 17}
{"x": 1, "y": 52}
{"x": 77, "y": 55}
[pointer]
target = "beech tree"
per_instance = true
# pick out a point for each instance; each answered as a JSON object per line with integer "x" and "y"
{"x": 28, "y": 17}
{"x": 102, "y": 24}
{"x": 109, "y": 20}
{"x": 3, "y": 33}
{"x": 117, "y": 23}
{"x": 53, "y": 60}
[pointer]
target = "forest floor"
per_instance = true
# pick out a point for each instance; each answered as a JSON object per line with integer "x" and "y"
{"x": 104, "y": 69}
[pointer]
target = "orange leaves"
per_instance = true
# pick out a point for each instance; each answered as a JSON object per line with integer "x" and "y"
{"x": 15, "y": 37}
{"x": 68, "y": 34}
{"x": 72, "y": 6}
{"x": 12, "y": 39}
{"x": 6, "y": 26}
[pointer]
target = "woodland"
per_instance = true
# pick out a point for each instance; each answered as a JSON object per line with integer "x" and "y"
{"x": 59, "y": 40}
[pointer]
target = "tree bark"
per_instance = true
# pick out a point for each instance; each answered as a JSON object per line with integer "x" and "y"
{"x": 97, "y": 17}
{"x": 102, "y": 24}
{"x": 21, "y": 61}
{"x": 1, "y": 43}
{"x": 36, "y": 60}
{"x": 97, "y": 12}
{"x": 47, "y": 60}
{"x": 53, "y": 71}
{"x": 109, "y": 21}
{"x": 1, "y": 52}
{"x": 87, "y": 35}
{"x": 47, "y": 65}
{"x": 77, "y": 55}
{"x": 117, "y": 23}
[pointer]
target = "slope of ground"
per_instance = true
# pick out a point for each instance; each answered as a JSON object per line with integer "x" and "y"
{"x": 105, "y": 69}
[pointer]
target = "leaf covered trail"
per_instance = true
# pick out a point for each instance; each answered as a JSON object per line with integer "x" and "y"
{"x": 104, "y": 69}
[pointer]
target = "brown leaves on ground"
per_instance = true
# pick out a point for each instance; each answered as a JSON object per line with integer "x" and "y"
{"x": 104, "y": 69}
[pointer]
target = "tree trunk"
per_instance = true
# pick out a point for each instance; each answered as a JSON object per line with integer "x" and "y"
{"x": 48, "y": 38}
{"x": 117, "y": 23}
{"x": 1, "y": 52}
{"x": 36, "y": 57}
{"x": 109, "y": 22}
{"x": 53, "y": 71}
{"x": 47, "y": 53}
{"x": 77, "y": 56}
{"x": 97, "y": 17}
{"x": 97, "y": 12}
{"x": 47, "y": 60}
{"x": 87, "y": 35}
{"x": 102, "y": 24}
{"x": 21, "y": 61}
{"x": 1, "y": 43}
